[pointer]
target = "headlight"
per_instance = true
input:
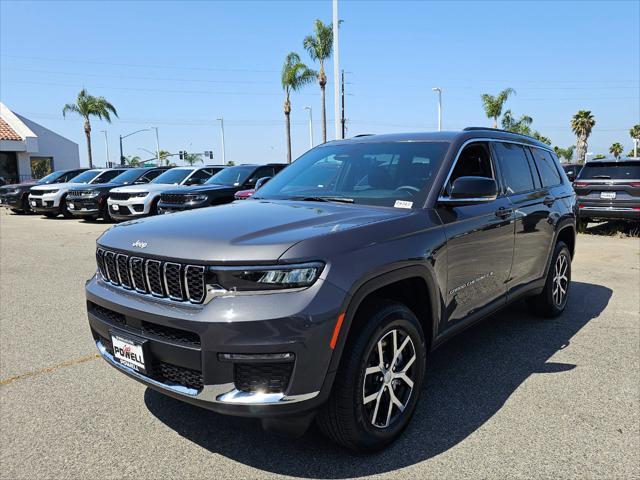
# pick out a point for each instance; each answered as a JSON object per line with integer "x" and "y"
{"x": 90, "y": 194}
{"x": 198, "y": 198}
{"x": 244, "y": 279}
{"x": 13, "y": 191}
{"x": 138, "y": 195}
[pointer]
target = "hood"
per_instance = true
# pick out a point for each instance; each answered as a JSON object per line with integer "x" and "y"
{"x": 198, "y": 188}
{"x": 147, "y": 187}
{"x": 57, "y": 186}
{"x": 241, "y": 232}
{"x": 17, "y": 186}
{"x": 98, "y": 186}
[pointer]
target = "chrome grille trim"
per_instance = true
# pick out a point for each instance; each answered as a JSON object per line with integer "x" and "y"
{"x": 168, "y": 280}
{"x": 167, "y": 286}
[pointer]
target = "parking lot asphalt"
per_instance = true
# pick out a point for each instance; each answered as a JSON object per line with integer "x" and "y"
{"x": 514, "y": 396}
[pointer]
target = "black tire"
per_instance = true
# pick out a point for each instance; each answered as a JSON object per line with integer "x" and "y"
{"x": 582, "y": 225}
{"x": 51, "y": 215}
{"x": 64, "y": 210}
{"x": 106, "y": 216}
{"x": 26, "y": 206}
{"x": 546, "y": 304}
{"x": 347, "y": 418}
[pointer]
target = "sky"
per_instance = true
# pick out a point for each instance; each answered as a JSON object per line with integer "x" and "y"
{"x": 179, "y": 66}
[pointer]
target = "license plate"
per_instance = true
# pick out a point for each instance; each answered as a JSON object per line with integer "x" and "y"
{"x": 128, "y": 352}
{"x": 115, "y": 207}
{"x": 608, "y": 195}
{"x": 33, "y": 203}
{"x": 71, "y": 206}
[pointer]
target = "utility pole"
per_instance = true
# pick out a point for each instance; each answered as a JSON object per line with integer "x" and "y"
{"x": 310, "y": 127}
{"x": 439, "y": 90}
{"x": 106, "y": 146}
{"x": 157, "y": 146}
{"x": 121, "y": 155}
{"x": 336, "y": 70}
{"x": 342, "y": 119}
{"x": 221, "y": 120}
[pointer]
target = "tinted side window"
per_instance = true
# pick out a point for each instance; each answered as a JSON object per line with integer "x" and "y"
{"x": 201, "y": 174}
{"x": 147, "y": 177}
{"x": 546, "y": 167}
{"x": 108, "y": 176}
{"x": 261, "y": 172}
{"x": 514, "y": 167}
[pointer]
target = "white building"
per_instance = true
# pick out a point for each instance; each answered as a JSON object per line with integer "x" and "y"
{"x": 28, "y": 149}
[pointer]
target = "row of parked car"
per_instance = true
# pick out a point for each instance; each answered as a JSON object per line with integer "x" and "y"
{"x": 126, "y": 193}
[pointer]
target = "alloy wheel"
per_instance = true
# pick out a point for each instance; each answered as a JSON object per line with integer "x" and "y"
{"x": 389, "y": 378}
{"x": 560, "y": 280}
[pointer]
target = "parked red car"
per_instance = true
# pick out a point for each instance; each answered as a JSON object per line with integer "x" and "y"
{"x": 244, "y": 194}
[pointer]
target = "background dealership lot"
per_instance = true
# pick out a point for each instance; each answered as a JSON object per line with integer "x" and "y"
{"x": 514, "y": 396}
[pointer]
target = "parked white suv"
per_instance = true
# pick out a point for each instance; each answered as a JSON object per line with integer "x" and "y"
{"x": 50, "y": 200}
{"x": 135, "y": 201}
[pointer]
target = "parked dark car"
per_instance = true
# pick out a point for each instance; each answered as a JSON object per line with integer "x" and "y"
{"x": 572, "y": 170}
{"x": 322, "y": 299}
{"x": 219, "y": 189}
{"x": 90, "y": 202}
{"x": 608, "y": 190}
{"x": 16, "y": 196}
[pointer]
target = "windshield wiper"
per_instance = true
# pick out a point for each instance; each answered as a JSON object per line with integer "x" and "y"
{"x": 323, "y": 199}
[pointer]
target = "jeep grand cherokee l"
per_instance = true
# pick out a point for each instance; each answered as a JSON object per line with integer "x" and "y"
{"x": 218, "y": 189}
{"x": 135, "y": 201}
{"x": 90, "y": 202}
{"x": 608, "y": 190}
{"x": 51, "y": 200}
{"x": 16, "y": 196}
{"x": 323, "y": 294}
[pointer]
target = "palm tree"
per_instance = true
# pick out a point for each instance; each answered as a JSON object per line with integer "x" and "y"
{"x": 133, "y": 161}
{"x": 635, "y": 135}
{"x": 164, "y": 157}
{"x": 582, "y": 123}
{"x": 566, "y": 153}
{"x": 320, "y": 46}
{"x": 616, "y": 150}
{"x": 295, "y": 75}
{"x": 87, "y": 106}
{"x": 522, "y": 125}
{"x": 493, "y": 105}
{"x": 192, "y": 158}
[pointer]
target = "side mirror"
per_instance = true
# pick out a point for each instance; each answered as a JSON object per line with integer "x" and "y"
{"x": 194, "y": 181}
{"x": 261, "y": 182}
{"x": 471, "y": 190}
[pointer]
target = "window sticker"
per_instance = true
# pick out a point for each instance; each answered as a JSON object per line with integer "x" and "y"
{"x": 403, "y": 204}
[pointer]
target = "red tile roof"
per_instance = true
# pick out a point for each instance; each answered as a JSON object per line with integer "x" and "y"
{"x": 7, "y": 133}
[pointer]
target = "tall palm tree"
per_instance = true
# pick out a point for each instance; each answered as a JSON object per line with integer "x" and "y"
{"x": 295, "y": 75}
{"x": 89, "y": 106}
{"x": 320, "y": 46}
{"x": 566, "y": 153}
{"x": 582, "y": 123}
{"x": 635, "y": 135}
{"x": 616, "y": 150}
{"x": 493, "y": 104}
{"x": 133, "y": 161}
{"x": 192, "y": 159}
{"x": 521, "y": 125}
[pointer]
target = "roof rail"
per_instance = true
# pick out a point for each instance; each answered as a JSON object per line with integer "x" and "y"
{"x": 363, "y": 135}
{"x": 472, "y": 129}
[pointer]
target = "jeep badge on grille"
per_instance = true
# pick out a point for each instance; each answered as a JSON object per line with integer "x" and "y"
{"x": 139, "y": 244}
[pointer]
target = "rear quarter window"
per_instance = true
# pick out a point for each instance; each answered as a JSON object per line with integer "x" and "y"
{"x": 547, "y": 168}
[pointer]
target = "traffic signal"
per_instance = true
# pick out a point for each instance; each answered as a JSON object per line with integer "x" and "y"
{"x": 208, "y": 154}
{"x": 182, "y": 154}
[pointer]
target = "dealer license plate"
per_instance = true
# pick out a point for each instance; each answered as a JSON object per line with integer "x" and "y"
{"x": 128, "y": 352}
{"x": 33, "y": 203}
{"x": 608, "y": 195}
{"x": 71, "y": 206}
{"x": 115, "y": 207}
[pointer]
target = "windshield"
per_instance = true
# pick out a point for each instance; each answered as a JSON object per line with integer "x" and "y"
{"x": 175, "y": 175}
{"x": 611, "y": 170}
{"x": 85, "y": 177}
{"x": 367, "y": 173}
{"x": 231, "y": 177}
{"x": 51, "y": 178}
{"x": 129, "y": 176}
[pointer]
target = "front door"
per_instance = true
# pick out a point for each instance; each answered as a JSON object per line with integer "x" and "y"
{"x": 479, "y": 242}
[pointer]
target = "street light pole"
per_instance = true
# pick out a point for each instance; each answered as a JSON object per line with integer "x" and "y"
{"x": 106, "y": 146}
{"x": 336, "y": 70}
{"x": 157, "y": 145}
{"x": 439, "y": 90}
{"x": 121, "y": 154}
{"x": 310, "y": 127}
{"x": 122, "y": 137}
{"x": 221, "y": 120}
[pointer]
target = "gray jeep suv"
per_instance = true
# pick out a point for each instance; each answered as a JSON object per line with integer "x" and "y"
{"x": 322, "y": 296}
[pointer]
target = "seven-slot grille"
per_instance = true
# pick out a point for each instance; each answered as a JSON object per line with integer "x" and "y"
{"x": 145, "y": 275}
{"x": 80, "y": 193}
{"x": 119, "y": 196}
{"x": 177, "y": 197}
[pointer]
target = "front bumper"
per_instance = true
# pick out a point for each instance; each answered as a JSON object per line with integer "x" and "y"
{"x": 45, "y": 203}
{"x": 132, "y": 208}
{"x": 299, "y": 323}
{"x": 609, "y": 210}
{"x": 83, "y": 207}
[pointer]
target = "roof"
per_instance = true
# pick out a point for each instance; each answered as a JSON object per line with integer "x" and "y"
{"x": 6, "y": 132}
{"x": 449, "y": 136}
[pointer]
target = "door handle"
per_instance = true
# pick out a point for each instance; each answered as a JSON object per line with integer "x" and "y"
{"x": 504, "y": 212}
{"x": 548, "y": 201}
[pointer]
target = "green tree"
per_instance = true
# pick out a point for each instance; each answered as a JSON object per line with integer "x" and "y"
{"x": 581, "y": 124}
{"x": 616, "y": 149}
{"x": 164, "y": 157}
{"x": 192, "y": 158}
{"x": 635, "y": 135}
{"x": 538, "y": 136}
{"x": 320, "y": 46}
{"x": 133, "y": 161}
{"x": 521, "y": 125}
{"x": 231, "y": 163}
{"x": 295, "y": 75}
{"x": 88, "y": 106}
{"x": 566, "y": 153}
{"x": 493, "y": 104}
